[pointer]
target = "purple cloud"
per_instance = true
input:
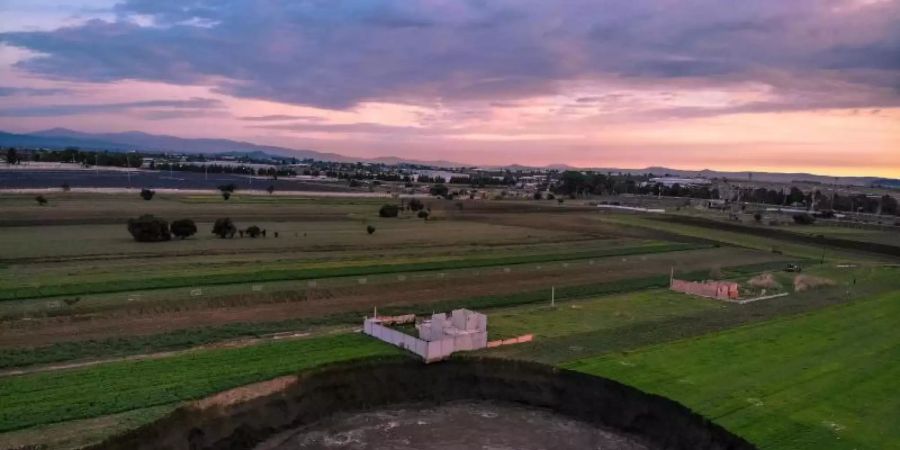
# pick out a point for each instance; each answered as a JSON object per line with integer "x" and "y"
{"x": 338, "y": 54}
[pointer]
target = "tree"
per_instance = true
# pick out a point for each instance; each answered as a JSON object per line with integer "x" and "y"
{"x": 148, "y": 228}
{"x": 12, "y": 156}
{"x": 370, "y": 229}
{"x": 389, "y": 210}
{"x": 183, "y": 228}
{"x": 230, "y": 187}
{"x": 270, "y": 189}
{"x": 439, "y": 190}
{"x": 253, "y": 231}
{"x": 538, "y": 195}
{"x": 423, "y": 214}
{"x": 226, "y": 195}
{"x": 804, "y": 219}
{"x": 889, "y": 205}
{"x": 415, "y": 204}
{"x": 41, "y": 200}
{"x": 757, "y": 217}
{"x": 224, "y": 227}
{"x": 147, "y": 194}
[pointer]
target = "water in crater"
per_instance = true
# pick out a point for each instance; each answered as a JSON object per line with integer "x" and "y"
{"x": 457, "y": 425}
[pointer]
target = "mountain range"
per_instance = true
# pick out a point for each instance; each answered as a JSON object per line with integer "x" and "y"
{"x": 58, "y": 138}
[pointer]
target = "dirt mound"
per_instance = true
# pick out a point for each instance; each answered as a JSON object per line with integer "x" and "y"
{"x": 806, "y": 282}
{"x": 764, "y": 281}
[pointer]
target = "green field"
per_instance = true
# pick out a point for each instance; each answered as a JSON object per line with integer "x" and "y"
{"x": 76, "y": 290}
{"x": 262, "y": 274}
{"x": 123, "y": 386}
{"x": 825, "y": 380}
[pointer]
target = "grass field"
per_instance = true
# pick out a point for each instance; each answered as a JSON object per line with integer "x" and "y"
{"x": 800, "y": 250}
{"x": 262, "y": 274}
{"x": 772, "y": 371}
{"x": 825, "y": 380}
{"x": 123, "y": 386}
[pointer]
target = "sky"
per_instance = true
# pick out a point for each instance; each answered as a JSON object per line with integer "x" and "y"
{"x": 761, "y": 85}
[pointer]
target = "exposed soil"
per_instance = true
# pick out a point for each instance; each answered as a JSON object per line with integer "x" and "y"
{"x": 321, "y": 302}
{"x": 270, "y": 409}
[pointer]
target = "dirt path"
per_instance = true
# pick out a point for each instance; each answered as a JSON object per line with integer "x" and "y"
{"x": 237, "y": 343}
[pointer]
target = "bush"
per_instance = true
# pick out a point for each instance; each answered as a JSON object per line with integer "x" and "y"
{"x": 389, "y": 210}
{"x": 230, "y": 187}
{"x": 370, "y": 229}
{"x": 415, "y": 204}
{"x": 757, "y": 217}
{"x": 226, "y": 195}
{"x": 538, "y": 195}
{"x": 423, "y": 214}
{"x": 804, "y": 219}
{"x": 270, "y": 189}
{"x": 183, "y": 228}
{"x": 65, "y": 187}
{"x": 224, "y": 228}
{"x": 439, "y": 190}
{"x": 41, "y": 200}
{"x": 147, "y": 194}
{"x": 148, "y": 228}
{"x": 253, "y": 231}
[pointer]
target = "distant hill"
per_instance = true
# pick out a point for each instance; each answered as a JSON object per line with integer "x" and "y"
{"x": 57, "y": 138}
{"x": 135, "y": 140}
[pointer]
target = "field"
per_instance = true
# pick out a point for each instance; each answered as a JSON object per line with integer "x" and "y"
{"x": 825, "y": 380}
{"x": 99, "y": 333}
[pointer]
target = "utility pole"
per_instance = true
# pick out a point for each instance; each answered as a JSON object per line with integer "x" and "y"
{"x": 552, "y": 295}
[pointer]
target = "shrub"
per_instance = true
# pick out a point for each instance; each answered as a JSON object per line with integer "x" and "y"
{"x": 538, "y": 195}
{"x": 253, "y": 231}
{"x": 757, "y": 217}
{"x": 439, "y": 190}
{"x": 415, "y": 204}
{"x": 561, "y": 200}
{"x": 551, "y": 197}
{"x": 183, "y": 228}
{"x": 270, "y": 189}
{"x": 65, "y": 187}
{"x": 230, "y": 187}
{"x": 226, "y": 195}
{"x": 147, "y": 194}
{"x": 148, "y": 228}
{"x": 370, "y": 229}
{"x": 389, "y": 210}
{"x": 224, "y": 228}
{"x": 804, "y": 219}
{"x": 423, "y": 214}
{"x": 41, "y": 200}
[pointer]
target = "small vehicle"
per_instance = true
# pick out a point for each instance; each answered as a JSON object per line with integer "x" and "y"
{"x": 793, "y": 268}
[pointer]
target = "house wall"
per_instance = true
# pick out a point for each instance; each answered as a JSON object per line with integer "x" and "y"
{"x": 430, "y": 351}
{"x": 725, "y": 290}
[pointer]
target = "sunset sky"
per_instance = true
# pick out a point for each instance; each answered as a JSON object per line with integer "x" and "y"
{"x": 777, "y": 85}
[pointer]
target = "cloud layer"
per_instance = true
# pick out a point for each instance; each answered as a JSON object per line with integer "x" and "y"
{"x": 807, "y": 53}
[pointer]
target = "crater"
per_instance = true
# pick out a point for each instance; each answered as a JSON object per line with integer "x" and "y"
{"x": 399, "y": 403}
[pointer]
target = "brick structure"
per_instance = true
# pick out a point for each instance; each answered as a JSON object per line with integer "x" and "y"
{"x": 722, "y": 290}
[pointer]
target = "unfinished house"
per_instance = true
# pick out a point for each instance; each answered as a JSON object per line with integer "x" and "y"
{"x": 439, "y": 337}
{"x": 722, "y": 290}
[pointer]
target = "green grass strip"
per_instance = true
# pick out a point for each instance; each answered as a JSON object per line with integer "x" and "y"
{"x": 85, "y": 288}
{"x": 50, "y": 397}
